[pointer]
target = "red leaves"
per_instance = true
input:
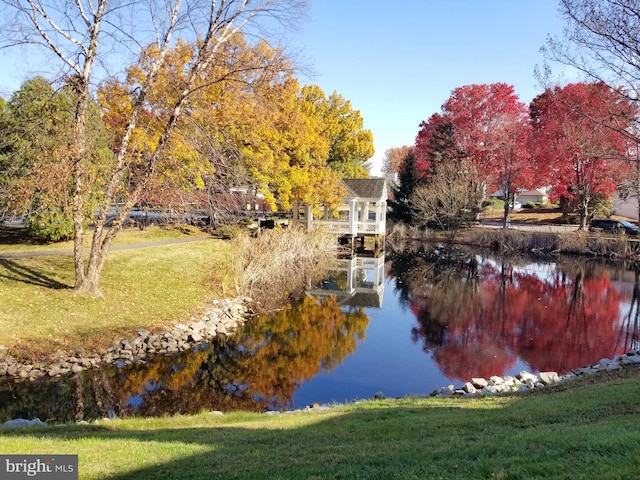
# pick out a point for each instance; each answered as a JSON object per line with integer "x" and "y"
{"x": 490, "y": 127}
{"x": 578, "y": 142}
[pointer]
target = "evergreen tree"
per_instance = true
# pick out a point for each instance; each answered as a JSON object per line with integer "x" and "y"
{"x": 409, "y": 179}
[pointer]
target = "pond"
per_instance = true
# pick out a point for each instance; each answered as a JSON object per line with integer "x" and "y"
{"x": 407, "y": 324}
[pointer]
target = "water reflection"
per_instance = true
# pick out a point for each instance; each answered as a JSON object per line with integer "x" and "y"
{"x": 448, "y": 312}
{"x": 355, "y": 281}
{"x": 478, "y": 315}
{"x": 258, "y": 370}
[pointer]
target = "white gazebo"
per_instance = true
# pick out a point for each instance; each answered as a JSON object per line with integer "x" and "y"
{"x": 364, "y": 211}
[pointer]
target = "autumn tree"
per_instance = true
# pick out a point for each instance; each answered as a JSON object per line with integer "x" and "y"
{"x": 85, "y": 34}
{"x": 350, "y": 144}
{"x": 393, "y": 158}
{"x": 600, "y": 40}
{"x": 490, "y": 125}
{"x": 573, "y": 148}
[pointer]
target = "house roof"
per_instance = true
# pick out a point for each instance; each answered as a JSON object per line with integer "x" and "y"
{"x": 535, "y": 193}
{"x": 366, "y": 187}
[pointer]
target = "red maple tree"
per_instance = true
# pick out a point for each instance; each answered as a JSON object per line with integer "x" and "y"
{"x": 490, "y": 126}
{"x": 578, "y": 144}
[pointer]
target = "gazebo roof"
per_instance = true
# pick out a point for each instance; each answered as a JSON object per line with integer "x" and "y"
{"x": 366, "y": 187}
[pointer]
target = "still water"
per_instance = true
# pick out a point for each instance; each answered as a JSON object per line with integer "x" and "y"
{"x": 404, "y": 324}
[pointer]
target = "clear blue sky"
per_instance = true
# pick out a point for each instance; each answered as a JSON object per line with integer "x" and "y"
{"x": 397, "y": 62}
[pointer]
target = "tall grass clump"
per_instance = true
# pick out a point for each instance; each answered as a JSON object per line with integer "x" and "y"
{"x": 509, "y": 241}
{"x": 402, "y": 237}
{"x": 574, "y": 243}
{"x": 278, "y": 264}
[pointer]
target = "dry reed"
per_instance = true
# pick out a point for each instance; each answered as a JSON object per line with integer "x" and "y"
{"x": 278, "y": 264}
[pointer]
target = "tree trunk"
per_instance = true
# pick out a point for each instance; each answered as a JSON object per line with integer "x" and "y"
{"x": 79, "y": 186}
{"x": 584, "y": 212}
{"x": 507, "y": 208}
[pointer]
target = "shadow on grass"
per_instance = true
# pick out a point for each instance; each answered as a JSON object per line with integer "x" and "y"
{"x": 16, "y": 271}
{"x": 566, "y": 435}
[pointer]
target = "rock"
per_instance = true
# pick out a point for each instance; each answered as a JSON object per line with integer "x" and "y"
{"x": 469, "y": 388}
{"x": 198, "y": 326}
{"x": 448, "y": 390}
{"x": 222, "y": 330}
{"x": 54, "y": 371}
{"x": 195, "y": 337}
{"x": 608, "y": 364}
{"x": 492, "y": 389}
{"x": 524, "y": 376}
{"x": 379, "y": 396}
{"x": 496, "y": 380}
{"x": 548, "y": 378}
{"x": 630, "y": 359}
{"x": 479, "y": 382}
{"x": 22, "y": 422}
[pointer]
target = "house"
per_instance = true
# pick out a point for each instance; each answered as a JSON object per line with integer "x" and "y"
{"x": 523, "y": 197}
{"x": 363, "y": 212}
{"x": 533, "y": 196}
{"x": 625, "y": 205}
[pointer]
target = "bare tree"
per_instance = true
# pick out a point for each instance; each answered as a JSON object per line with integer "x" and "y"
{"x": 450, "y": 197}
{"x": 602, "y": 41}
{"x": 89, "y": 37}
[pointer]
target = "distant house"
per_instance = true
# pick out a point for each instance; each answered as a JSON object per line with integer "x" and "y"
{"x": 538, "y": 195}
{"x": 625, "y": 206}
{"x": 533, "y": 196}
{"x": 363, "y": 212}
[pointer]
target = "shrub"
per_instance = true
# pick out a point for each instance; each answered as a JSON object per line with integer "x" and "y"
{"x": 51, "y": 225}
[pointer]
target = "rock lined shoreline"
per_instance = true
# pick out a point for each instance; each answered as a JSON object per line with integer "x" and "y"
{"x": 222, "y": 319}
{"x": 525, "y": 381}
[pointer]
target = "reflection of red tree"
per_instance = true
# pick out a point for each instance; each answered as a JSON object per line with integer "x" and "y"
{"x": 479, "y": 328}
{"x": 571, "y": 324}
{"x": 480, "y": 355}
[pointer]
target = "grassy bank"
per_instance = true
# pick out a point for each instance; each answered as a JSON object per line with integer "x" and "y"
{"x": 147, "y": 288}
{"x": 142, "y": 287}
{"x": 584, "y": 429}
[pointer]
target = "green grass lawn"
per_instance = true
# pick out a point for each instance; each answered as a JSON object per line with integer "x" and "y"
{"x": 588, "y": 429}
{"x": 142, "y": 288}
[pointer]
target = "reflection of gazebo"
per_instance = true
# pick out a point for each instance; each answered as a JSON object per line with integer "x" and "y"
{"x": 355, "y": 281}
